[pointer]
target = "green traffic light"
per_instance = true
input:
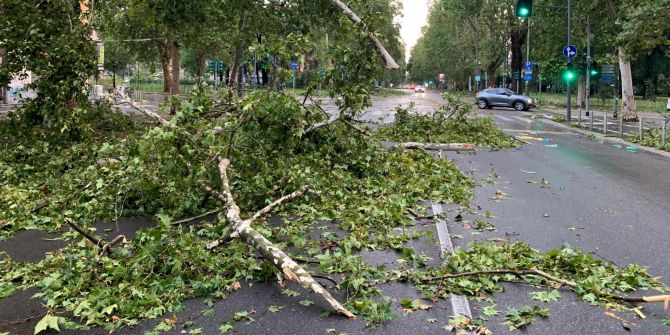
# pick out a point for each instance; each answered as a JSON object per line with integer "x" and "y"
{"x": 523, "y": 12}
{"x": 594, "y": 72}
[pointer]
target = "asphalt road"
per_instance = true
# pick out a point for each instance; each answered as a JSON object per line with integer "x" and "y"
{"x": 602, "y": 199}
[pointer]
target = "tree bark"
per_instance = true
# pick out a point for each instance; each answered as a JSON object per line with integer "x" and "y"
{"x": 627, "y": 95}
{"x": 166, "y": 60}
{"x": 175, "y": 68}
{"x": 581, "y": 93}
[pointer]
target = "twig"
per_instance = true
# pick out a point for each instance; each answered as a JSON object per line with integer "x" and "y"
{"x": 196, "y": 217}
{"x": 84, "y": 233}
{"x": 270, "y": 207}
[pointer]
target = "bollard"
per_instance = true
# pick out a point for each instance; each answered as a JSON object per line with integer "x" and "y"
{"x": 579, "y": 123}
{"x": 621, "y": 125}
{"x": 640, "y": 128}
{"x": 664, "y": 133}
{"x": 605, "y": 125}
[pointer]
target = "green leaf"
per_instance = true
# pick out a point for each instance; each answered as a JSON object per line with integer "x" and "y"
{"x": 226, "y": 327}
{"x": 274, "y": 309}
{"x": 431, "y": 320}
{"x": 109, "y": 309}
{"x": 589, "y": 297}
{"x": 490, "y": 311}
{"x": 666, "y": 321}
{"x": 47, "y": 322}
{"x": 546, "y": 296}
{"x": 290, "y": 293}
{"x": 307, "y": 302}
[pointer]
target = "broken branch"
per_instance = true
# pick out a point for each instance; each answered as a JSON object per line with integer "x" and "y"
{"x": 385, "y": 55}
{"x": 276, "y": 256}
{"x": 436, "y": 146}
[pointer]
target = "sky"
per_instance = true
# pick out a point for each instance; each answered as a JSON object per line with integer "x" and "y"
{"x": 415, "y": 13}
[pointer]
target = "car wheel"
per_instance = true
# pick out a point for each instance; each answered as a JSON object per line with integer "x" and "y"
{"x": 482, "y": 104}
{"x": 520, "y": 106}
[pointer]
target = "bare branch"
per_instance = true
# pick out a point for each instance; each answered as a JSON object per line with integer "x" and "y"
{"x": 270, "y": 207}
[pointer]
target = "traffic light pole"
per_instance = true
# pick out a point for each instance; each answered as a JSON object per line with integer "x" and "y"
{"x": 569, "y": 43}
{"x": 588, "y": 71}
{"x": 527, "y": 52}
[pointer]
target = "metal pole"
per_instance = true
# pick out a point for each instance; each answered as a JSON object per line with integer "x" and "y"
{"x": 569, "y": 43}
{"x": 527, "y": 52}
{"x": 664, "y": 134}
{"x": 588, "y": 68}
{"x": 640, "y": 128}
{"x": 621, "y": 126}
{"x": 605, "y": 125}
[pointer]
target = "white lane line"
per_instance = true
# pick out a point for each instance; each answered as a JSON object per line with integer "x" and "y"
{"x": 523, "y": 119}
{"x": 503, "y": 118}
{"x": 459, "y": 303}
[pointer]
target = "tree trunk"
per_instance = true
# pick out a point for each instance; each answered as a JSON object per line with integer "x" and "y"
{"x": 200, "y": 60}
{"x": 627, "y": 96}
{"x": 113, "y": 79}
{"x": 175, "y": 68}
{"x": 518, "y": 39}
{"x": 166, "y": 60}
{"x": 581, "y": 92}
{"x": 239, "y": 53}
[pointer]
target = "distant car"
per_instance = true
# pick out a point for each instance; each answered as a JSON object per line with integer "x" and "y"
{"x": 419, "y": 89}
{"x": 502, "y": 97}
{"x": 668, "y": 107}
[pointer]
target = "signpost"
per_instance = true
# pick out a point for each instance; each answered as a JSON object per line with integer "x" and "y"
{"x": 294, "y": 67}
{"x": 570, "y": 52}
{"x": 528, "y": 71}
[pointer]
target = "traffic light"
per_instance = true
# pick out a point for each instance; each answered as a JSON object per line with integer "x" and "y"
{"x": 595, "y": 70}
{"x": 569, "y": 75}
{"x": 524, "y": 8}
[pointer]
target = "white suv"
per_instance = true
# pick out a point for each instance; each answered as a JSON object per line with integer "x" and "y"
{"x": 668, "y": 107}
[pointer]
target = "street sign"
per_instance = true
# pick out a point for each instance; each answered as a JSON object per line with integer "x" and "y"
{"x": 528, "y": 76}
{"x": 294, "y": 65}
{"x": 570, "y": 51}
{"x": 516, "y": 75}
{"x": 528, "y": 66}
{"x": 478, "y": 78}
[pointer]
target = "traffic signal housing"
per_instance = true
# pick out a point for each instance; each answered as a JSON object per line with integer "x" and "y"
{"x": 524, "y": 8}
{"x": 595, "y": 70}
{"x": 570, "y": 74}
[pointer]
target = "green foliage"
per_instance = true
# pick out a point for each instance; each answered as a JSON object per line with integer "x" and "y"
{"x": 651, "y": 138}
{"x": 451, "y": 123}
{"x": 525, "y": 316}
{"x": 48, "y": 39}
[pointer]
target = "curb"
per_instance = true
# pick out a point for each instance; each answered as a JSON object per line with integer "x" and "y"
{"x": 611, "y": 140}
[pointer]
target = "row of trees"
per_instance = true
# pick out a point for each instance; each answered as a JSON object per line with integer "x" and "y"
{"x": 234, "y": 32}
{"x": 462, "y": 37}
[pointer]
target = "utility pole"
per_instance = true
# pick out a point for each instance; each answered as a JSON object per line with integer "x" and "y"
{"x": 569, "y": 43}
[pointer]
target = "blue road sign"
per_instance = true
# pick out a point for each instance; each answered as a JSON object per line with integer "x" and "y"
{"x": 478, "y": 78}
{"x": 528, "y": 77}
{"x": 570, "y": 51}
{"x": 294, "y": 65}
{"x": 528, "y": 66}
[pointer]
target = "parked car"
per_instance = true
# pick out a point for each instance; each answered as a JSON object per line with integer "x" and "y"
{"x": 419, "y": 89}
{"x": 668, "y": 107}
{"x": 502, "y": 97}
